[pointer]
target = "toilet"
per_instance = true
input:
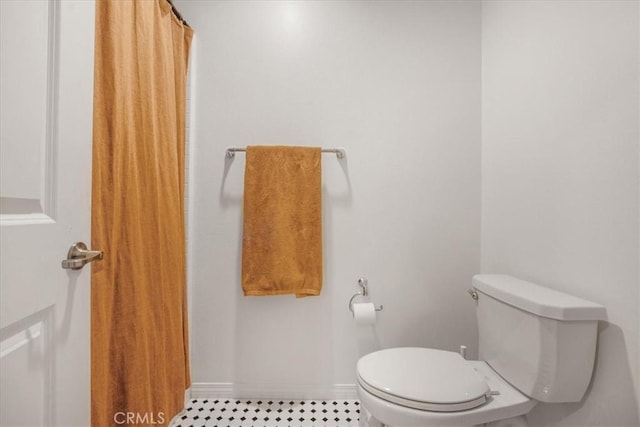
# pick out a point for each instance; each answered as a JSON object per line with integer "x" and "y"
{"x": 535, "y": 345}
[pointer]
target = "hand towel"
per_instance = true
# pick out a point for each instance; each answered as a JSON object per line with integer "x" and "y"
{"x": 282, "y": 230}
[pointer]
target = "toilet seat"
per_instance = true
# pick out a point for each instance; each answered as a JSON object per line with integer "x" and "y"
{"x": 507, "y": 402}
{"x": 423, "y": 378}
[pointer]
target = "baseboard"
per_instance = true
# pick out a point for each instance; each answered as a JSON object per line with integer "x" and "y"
{"x": 273, "y": 391}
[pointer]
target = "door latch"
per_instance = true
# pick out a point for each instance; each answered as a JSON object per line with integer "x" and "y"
{"x": 79, "y": 255}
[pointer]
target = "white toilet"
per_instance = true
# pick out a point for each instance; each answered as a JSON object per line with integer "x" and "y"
{"x": 536, "y": 345}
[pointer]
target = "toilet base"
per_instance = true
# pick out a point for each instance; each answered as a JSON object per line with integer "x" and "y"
{"x": 520, "y": 421}
{"x": 368, "y": 420}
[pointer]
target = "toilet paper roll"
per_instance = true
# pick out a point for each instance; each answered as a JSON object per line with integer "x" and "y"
{"x": 364, "y": 313}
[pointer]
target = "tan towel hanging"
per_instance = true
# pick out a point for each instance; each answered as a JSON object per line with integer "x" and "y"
{"x": 282, "y": 232}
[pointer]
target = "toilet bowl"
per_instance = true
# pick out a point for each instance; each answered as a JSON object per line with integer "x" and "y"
{"x": 457, "y": 392}
{"x": 526, "y": 353}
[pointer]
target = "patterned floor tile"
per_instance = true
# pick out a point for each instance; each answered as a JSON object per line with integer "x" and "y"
{"x": 269, "y": 413}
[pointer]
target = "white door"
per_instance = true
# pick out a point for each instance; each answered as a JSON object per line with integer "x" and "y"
{"x": 46, "y": 73}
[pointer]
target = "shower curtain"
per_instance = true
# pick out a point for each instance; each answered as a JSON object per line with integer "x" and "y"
{"x": 139, "y": 346}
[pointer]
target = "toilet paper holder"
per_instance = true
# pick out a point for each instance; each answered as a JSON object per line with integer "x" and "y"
{"x": 364, "y": 283}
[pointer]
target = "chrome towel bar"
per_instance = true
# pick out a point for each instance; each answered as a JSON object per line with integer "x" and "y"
{"x": 340, "y": 153}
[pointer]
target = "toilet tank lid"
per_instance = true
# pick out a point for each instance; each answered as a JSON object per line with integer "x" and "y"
{"x": 537, "y": 299}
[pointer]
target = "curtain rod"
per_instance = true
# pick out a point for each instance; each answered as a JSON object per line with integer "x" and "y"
{"x": 340, "y": 153}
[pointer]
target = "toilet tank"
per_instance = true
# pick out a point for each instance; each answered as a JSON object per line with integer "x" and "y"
{"x": 541, "y": 341}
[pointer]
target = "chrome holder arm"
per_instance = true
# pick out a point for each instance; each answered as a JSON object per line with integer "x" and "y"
{"x": 363, "y": 282}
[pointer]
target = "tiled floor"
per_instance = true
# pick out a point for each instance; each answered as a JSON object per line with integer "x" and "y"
{"x": 269, "y": 413}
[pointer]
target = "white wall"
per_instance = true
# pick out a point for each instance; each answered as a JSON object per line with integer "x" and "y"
{"x": 397, "y": 85}
{"x": 560, "y": 177}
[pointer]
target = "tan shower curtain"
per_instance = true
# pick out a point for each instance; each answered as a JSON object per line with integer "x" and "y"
{"x": 139, "y": 347}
